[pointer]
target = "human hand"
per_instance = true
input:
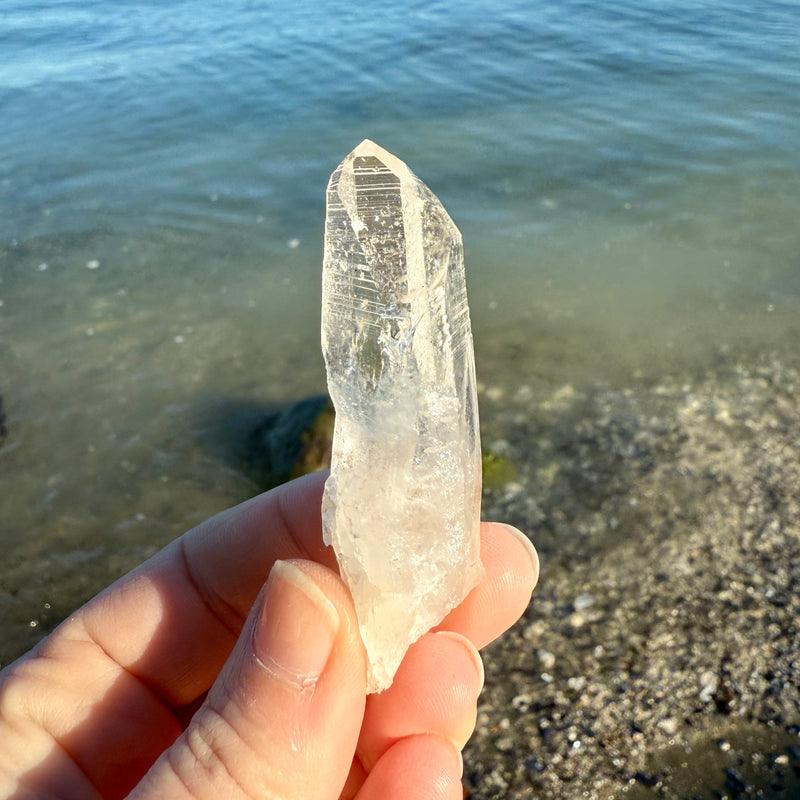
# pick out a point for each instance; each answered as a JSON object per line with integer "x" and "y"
{"x": 189, "y": 678}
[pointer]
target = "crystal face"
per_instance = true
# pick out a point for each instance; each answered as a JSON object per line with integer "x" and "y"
{"x": 402, "y": 504}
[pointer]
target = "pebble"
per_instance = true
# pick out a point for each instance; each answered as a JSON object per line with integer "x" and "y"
{"x": 524, "y": 394}
{"x": 93, "y": 264}
{"x": 709, "y": 683}
{"x": 577, "y": 620}
{"x": 495, "y": 393}
{"x": 583, "y": 601}
{"x": 547, "y": 659}
{"x": 565, "y": 394}
{"x": 522, "y": 702}
{"x": 534, "y": 765}
{"x": 669, "y": 725}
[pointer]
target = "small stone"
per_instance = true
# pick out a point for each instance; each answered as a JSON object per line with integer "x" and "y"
{"x": 495, "y": 393}
{"x": 547, "y": 658}
{"x": 564, "y": 395}
{"x": 534, "y": 631}
{"x": 524, "y": 394}
{"x": 583, "y": 601}
{"x": 709, "y": 682}
{"x": 669, "y": 725}
{"x": 577, "y": 620}
{"x": 723, "y": 416}
{"x": 522, "y": 702}
{"x": 735, "y": 782}
{"x": 534, "y": 765}
{"x": 93, "y": 264}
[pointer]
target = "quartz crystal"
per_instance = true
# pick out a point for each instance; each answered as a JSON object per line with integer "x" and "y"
{"x": 402, "y": 504}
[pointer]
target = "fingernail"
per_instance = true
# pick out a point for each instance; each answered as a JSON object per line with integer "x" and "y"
{"x": 531, "y": 550}
{"x": 297, "y": 628}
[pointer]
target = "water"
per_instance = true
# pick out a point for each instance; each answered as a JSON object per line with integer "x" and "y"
{"x": 625, "y": 176}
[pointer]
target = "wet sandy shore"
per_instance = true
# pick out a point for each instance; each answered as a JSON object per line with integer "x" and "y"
{"x": 660, "y": 656}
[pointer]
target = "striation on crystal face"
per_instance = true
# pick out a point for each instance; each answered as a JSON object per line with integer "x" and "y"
{"x": 402, "y": 504}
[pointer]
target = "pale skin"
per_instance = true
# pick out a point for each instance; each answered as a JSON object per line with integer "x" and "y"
{"x": 192, "y": 678}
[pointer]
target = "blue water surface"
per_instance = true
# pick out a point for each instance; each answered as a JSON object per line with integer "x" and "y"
{"x": 132, "y": 114}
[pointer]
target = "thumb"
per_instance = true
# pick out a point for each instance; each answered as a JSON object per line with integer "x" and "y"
{"x": 283, "y": 717}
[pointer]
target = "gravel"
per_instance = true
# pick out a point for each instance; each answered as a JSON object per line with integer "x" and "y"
{"x": 660, "y": 656}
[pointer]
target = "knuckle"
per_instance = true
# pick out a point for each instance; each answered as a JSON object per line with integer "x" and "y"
{"x": 209, "y": 763}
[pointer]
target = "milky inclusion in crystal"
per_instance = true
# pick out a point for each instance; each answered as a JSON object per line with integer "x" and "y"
{"x": 402, "y": 504}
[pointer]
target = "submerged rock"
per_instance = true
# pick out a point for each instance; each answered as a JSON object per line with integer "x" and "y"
{"x": 293, "y": 441}
{"x": 297, "y": 439}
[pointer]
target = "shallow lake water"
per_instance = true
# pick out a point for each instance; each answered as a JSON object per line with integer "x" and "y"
{"x": 626, "y": 181}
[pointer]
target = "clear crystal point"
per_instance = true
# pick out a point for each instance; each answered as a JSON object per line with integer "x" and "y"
{"x": 402, "y": 504}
